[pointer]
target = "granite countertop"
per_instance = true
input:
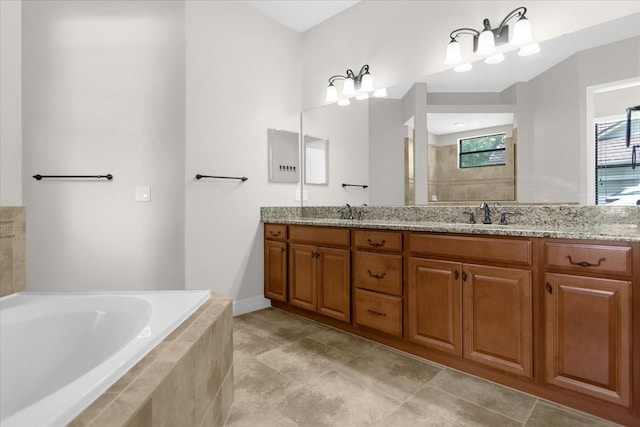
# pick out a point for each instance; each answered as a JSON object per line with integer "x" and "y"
{"x": 607, "y": 229}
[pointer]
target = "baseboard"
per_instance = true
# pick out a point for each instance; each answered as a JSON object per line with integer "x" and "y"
{"x": 248, "y": 305}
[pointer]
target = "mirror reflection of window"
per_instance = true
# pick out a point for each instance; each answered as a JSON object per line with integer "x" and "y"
{"x": 316, "y": 160}
{"x": 483, "y": 150}
{"x": 617, "y": 180}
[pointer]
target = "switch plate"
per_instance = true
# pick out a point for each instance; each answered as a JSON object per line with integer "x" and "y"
{"x": 143, "y": 194}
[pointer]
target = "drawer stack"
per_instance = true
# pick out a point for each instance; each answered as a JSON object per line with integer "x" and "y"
{"x": 378, "y": 280}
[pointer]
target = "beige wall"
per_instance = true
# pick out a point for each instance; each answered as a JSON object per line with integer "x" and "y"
{"x": 242, "y": 78}
{"x": 10, "y": 103}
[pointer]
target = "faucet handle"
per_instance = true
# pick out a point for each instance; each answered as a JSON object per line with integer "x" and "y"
{"x": 503, "y": 217}
{"x": 472, "y": 220}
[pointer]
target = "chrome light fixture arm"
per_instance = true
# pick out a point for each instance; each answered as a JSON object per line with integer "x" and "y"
{"x": 515, "y": 13}
{"x": 469, "y": 31}
{"x": 357, "y": 79}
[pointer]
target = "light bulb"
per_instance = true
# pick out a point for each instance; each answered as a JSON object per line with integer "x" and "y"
{"x": 495, "y": 59}
{"x": 486, "y": 43}
{"x": 454, "y": 53}
{"x": 348, "y": 88}
{"x": 463, "y": 68}
{"x": 530, "y": 49}
{"x": 366, "y": 84}
{"x": 522, "y": 32}
{"x": 344, "y": 102}
{"x": 332, "y": 93}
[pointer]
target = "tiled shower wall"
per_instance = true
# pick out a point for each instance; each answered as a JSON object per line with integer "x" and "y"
{"x": 13, "y": 264}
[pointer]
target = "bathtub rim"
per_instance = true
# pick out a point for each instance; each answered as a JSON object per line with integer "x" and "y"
{"x": 88, "y": 396}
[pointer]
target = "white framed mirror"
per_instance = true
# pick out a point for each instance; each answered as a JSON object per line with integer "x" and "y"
{"x": 316, "y": 160}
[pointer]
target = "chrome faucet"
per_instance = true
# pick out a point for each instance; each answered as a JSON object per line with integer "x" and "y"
{"x": 487, "y": 213}
{"x": 347, "y": 208}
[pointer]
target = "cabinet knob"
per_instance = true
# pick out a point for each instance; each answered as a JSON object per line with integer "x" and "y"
{"x": 456, "y": 274}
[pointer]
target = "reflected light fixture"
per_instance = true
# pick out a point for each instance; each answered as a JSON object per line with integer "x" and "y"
{"x": 485, "y": 41}
{"x": 353, "y": 84}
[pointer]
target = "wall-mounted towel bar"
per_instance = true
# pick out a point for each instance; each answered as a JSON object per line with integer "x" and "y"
{"x": 242, "y": 178}
{"x": 107, "y": 176}
{"x": 354, "y": 185}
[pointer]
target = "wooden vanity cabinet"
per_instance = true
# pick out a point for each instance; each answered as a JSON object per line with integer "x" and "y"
{"x": 275, "y": 262}
{"x": 481, "y": 312}
{"x": 588, "y": 319}
{"x": 378, "y": 281}
{"x": 481, "y": 304}
{"x": 319, "y": 276}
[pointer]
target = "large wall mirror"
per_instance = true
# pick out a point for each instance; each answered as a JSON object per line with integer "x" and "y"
{"x": 546, "y": 107}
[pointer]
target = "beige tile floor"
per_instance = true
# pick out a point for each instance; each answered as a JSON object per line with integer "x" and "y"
{"x": 289, "y": 371}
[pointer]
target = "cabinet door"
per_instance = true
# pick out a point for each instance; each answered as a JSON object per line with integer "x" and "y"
{"x": 334, "y": 284}
{"x": 434, "y": 297}
{"x": 302, "y": 276}
{"x": 588, "y": 336}
{"x": 497, "y": 318}
{"x": 275, "y": 270}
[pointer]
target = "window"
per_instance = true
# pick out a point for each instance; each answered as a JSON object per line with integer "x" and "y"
{"x": 485, "y": 150}
{"x": 617, "y": 182}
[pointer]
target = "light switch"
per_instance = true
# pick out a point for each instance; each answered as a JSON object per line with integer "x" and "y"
{"x": 143, "y": 194}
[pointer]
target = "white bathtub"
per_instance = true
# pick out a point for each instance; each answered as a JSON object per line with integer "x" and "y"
{"x": 60, "y": 351}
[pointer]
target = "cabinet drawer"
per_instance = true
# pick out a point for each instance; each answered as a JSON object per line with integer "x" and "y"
{"x": 275, "y": 231}
{"x": 382, "y": 240}
{"x": 319, "y": 235}
{"x": 379, "y": 311}
{"x": 378, "y": 272}
{"x": 513, "y": 251}
{"x": 588, "y": 257}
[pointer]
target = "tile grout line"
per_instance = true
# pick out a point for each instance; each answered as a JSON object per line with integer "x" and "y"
{"x": 475, "y": 403}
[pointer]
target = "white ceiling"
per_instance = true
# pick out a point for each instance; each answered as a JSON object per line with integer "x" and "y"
{"x": 300, "y": 15}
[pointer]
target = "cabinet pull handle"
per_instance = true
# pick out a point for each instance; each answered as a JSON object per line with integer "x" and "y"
{"x": 376, "y": 244}
{"x": 282, "y": 249}
{"x": 377, "y": 313}
{"x": 272, "y": 234}
{"x": 456, "y": 274}
{"x": 549, "y": 288}
{"x": 585, "y": 263}
{"x": 376, "y": 276}
{"x": 464, "y": 276}
{"x": 315, "y": 254}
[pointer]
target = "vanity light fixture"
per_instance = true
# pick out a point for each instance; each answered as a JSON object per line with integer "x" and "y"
{"x": 485, "y": 41}
{"x": 354, "y": 84}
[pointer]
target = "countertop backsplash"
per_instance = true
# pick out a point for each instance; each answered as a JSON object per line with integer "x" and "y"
{"x": 570, "y": 216}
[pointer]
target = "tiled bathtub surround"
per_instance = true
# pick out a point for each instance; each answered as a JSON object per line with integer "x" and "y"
{"x": 560, "y": 221}
{"x": 186, "y": 380}
{"x": 13, "y": 248}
